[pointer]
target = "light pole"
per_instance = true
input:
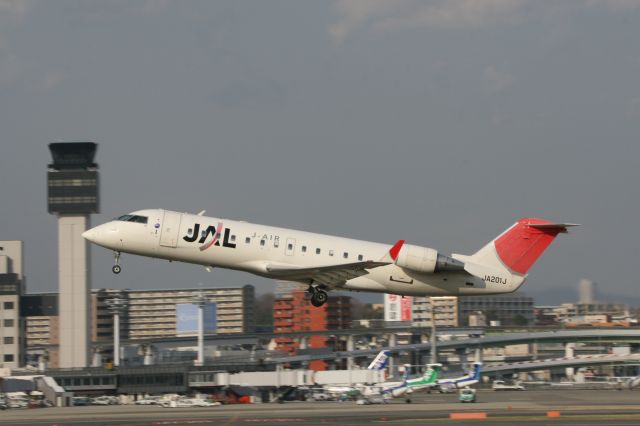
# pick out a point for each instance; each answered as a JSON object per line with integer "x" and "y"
{"x": 116, "y": 306}
{"x": 434, "y": 349}
{"x": 200, "y": 300}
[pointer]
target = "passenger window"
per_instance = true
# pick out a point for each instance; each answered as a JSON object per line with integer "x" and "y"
{"x": 262, "y": 242}
{"x": 233, "y": 238}
{"x": 345, "y": 255}
{"x": 289, "y": 246}
{"x": 247, "y": 240}
{"x": 317, "y": 251}
{"x": 330, "y": 252}
{"x": 360, "y": 257}
{"x": 304, "y": 249}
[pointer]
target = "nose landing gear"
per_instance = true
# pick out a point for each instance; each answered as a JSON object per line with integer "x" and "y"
{"x": 116, "y": 268}
{"x": 318, "y": 296}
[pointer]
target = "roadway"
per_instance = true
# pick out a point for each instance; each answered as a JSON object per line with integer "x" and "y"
{"x": 584, "y": 407}
{"x": 556, "y": 336}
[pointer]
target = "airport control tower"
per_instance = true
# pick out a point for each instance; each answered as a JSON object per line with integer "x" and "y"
{"x": 72, "y": 183}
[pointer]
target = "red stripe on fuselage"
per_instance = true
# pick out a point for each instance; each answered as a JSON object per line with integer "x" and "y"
{"x": 521, "y": 246}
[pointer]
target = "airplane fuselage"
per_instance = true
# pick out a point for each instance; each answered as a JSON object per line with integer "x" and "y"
{"x": 254, "y": 248}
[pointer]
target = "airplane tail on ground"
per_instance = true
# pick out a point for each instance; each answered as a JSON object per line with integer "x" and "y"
{"x": 475, "y": 372}
{"x": 380, "y": 361}
{"x": 405, "y": 374}
{"x": 432, "y": 373}
{"x": 514, "y": 251}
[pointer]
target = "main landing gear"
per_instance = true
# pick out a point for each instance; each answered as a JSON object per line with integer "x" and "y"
{"x": 116, "y": 268}
{"x": 318, "y": 296}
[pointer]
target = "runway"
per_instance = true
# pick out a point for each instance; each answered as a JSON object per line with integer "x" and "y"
{"x": 576, "y": 407}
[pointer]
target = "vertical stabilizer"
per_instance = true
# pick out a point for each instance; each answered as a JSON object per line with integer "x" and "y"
{"x": 380, "y": 361}
{"x": 519, "y": 247}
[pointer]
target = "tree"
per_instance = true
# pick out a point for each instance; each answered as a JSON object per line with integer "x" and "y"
{"x": 361, "y": 310}
{"x": 519, "y": 319}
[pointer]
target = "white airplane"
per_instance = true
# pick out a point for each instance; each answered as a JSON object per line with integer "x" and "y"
{"x": 326, "y": 262}
{"x": 379, "y": 363}
{"x": 469, "y": 379}
{"x": 388, "y": 390}
{"x": 633, "y": 382}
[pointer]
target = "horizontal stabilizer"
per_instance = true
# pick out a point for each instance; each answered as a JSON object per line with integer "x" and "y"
{"x": 559, "y": 227}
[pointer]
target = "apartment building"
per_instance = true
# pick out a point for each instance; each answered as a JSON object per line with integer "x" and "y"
{"x": 12, "y": 284}
{"x": 293, "y": 312}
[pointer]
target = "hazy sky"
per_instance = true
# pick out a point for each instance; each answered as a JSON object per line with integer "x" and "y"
{"x": 440, "y": 122}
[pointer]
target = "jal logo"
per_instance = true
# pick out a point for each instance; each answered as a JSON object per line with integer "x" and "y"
{"x": 215, "y": 232}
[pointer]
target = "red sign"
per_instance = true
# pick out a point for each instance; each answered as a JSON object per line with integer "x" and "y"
{"x": 405, "y": 309}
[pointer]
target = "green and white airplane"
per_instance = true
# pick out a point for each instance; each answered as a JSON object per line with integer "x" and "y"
{"x": 429, "y": 379}
{"x": 406, "y": 387}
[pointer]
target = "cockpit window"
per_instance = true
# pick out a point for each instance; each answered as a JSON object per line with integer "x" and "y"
{"x": 133, "y": 218}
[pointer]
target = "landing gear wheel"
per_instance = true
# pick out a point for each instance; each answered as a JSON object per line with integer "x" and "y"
{"x": 319, "y": 298}
{"x": 116, "y": 268}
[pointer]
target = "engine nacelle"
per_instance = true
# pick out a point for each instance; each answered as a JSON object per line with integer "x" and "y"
{"x": 399, "y": 392}
{"x": 426, "y": 260}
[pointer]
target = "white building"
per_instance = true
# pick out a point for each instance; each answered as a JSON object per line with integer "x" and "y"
{"x": 445, "y": 311}
{"x": 11, "y": 287}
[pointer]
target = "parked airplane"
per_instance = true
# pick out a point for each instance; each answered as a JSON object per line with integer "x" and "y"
{"x": 633, "y": 382}
{"x": 407, "y": 386}
{"x": 388, "y": 390}
{"x": 469, "y": 379}
{"x": 326, "y": 262}
{"x": 428, "y": 380}
{"x": 379, "y": 363}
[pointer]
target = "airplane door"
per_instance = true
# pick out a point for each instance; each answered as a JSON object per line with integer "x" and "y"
{"x": 291, "y": 246}
{"x": 170, "y": 229}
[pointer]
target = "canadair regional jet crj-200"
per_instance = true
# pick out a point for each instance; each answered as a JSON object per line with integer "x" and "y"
{"x": 325, "y": 262}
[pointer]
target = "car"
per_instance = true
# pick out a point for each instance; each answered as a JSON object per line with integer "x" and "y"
{"x": 177, "y": 403}
{"x": 371, "y": 400}
{"x": 320, "y": 396}
{"x": 101, "y": 400}
{"x": 444, "y": 388}
{"x": 500, "y": 385}
{"x": 467, "y": 395}
{"x": 149, "y": 400}
{"x": 78, "y": 401}
{"x": 204, "y": 403}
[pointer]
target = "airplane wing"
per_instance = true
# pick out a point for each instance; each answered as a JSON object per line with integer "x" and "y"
{"x": 331, "y": 276}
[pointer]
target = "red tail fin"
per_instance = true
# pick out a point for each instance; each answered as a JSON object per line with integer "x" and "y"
{"x": 524, "y": 243}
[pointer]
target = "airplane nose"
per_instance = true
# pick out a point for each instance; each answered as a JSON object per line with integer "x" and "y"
{"x": 90, "y": 235}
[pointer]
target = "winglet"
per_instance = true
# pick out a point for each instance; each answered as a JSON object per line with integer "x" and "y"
{"x": 395, "y": 250}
